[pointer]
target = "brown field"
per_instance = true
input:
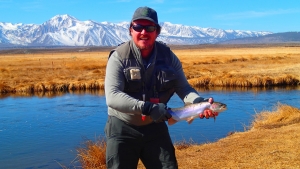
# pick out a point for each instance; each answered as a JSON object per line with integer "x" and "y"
{"x": 272, "y": 141}
{"x": 27, "y": 71}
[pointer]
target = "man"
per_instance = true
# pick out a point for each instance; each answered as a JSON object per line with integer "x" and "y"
{"x": 141, "y": 76}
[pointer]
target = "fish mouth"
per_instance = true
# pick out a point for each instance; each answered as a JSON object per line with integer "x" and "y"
{"x": 224, "y": 106}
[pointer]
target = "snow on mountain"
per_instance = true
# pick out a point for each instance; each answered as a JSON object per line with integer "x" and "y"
{"x": 181, "y": 34}
{"x": 66, "y": 30}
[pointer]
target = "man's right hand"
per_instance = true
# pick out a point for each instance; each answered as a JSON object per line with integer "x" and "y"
{"x": 158, "y": 112}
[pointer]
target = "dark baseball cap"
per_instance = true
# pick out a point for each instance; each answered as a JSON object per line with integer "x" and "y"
{"x": 145, "y": 13}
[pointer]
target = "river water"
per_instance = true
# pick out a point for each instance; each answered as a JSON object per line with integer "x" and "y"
{"x": 45, "y": 132}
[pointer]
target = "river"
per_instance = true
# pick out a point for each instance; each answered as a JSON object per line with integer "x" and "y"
{"x": 45, "y": 132}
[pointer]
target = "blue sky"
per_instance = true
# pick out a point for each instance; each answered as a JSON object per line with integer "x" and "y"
{"x": 255, "y": 15}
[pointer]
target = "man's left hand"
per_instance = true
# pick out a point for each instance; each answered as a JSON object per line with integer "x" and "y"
{"x": 208, "y": 113}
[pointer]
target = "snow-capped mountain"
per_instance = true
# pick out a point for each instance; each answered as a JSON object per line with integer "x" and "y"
{"x": 65, "y": 30}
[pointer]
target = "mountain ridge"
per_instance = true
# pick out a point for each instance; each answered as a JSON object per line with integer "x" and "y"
{"x": 66, "y": 30}
{"x": 282, "y": 37}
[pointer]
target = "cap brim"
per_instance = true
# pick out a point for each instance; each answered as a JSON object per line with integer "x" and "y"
{"x": 147, "y": 18}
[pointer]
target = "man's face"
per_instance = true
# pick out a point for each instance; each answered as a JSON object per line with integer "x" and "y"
{"x": 144, "y": 40}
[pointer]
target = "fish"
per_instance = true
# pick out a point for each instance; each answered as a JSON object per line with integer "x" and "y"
{"x": 191, "y": 111}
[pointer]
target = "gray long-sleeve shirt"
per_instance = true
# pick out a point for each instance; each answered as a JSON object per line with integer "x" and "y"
{"x": 129, "y": 109}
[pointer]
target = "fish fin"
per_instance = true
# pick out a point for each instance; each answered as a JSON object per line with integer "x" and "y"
{"x": 190, "y": 120}
{"x": 172, "y": 121}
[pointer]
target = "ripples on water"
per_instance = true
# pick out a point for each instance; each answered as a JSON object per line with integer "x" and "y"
{"x": 43, "y": 131}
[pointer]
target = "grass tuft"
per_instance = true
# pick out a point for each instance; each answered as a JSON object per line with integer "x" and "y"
{"x": 92, "y": 156}
{"x": 282, "y": 115}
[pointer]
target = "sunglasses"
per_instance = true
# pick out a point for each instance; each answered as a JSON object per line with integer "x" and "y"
{"x": 148, "y": 28}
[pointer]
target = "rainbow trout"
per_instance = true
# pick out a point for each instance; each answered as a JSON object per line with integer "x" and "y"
{"x": 191, "y": 111}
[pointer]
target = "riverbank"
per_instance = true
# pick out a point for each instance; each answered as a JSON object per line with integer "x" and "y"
{"x": 272, "y": 141}
{"x": 58, "y": 70}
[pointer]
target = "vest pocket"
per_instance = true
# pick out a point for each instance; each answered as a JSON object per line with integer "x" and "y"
{"x": 166, "y": 77}
{"x": 134, "y": 79}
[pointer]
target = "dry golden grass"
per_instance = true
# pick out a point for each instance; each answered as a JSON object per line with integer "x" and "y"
{"x": 241, "y": 66}
{"x": 92, "y": 156}
{"x": 272, "y": 142}
{"x": 229, "y": 66}
{"x": 283, "y": 115}
{"x": 52, "y": 72}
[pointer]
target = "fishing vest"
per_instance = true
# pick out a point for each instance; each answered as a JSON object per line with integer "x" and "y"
{"x": 157, "y": 81}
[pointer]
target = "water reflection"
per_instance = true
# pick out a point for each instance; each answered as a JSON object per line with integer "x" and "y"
{"x": 44, "y": 130}
{"x": 50, "y": 94}
{"x": 247, "y": 89}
